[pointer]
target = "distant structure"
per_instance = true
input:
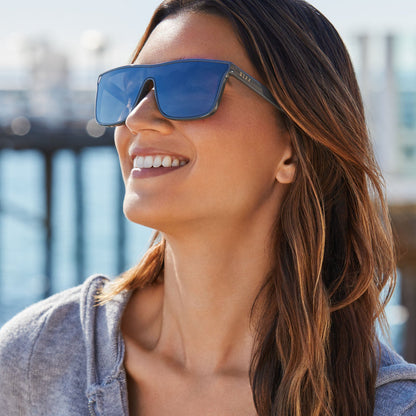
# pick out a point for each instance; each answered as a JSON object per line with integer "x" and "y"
{"x": 390, "y": 98}
{"x": 47, "y": 115}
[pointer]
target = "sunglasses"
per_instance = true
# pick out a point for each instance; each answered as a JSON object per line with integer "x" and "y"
{"x": 185, "y": 89}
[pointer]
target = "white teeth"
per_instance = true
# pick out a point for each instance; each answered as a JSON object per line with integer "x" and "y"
{"x": 138, "y": 162}
{"x": 157, "y": 162}
{"x": 146, "y": 162}
{"x": 167, "y": 162}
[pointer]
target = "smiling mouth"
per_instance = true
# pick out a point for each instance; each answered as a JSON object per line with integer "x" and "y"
{"x": 157, "y": 161}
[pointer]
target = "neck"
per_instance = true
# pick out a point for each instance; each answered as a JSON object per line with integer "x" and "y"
{"x": 209, "y": 290}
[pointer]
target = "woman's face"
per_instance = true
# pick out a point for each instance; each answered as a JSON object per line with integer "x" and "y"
{"x": 234, "y": 165}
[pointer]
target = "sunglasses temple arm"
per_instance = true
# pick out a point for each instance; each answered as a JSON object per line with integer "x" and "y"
{"x": 253, "y": 84}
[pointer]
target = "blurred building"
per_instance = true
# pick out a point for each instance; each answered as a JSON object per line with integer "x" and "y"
{"x": 387, "y": 75}
{"x": 60, "y": 184}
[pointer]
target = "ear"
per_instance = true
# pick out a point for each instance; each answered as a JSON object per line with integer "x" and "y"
{"x": 286, "y": 169}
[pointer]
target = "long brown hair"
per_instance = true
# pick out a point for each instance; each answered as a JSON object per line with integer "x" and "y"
{"x": 316, "y": 345}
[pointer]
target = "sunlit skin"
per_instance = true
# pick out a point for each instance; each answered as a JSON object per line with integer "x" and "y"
{"x": 189, "y": 340}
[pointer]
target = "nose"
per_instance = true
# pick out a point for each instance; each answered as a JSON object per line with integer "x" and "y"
{"x": 146, "y": 115}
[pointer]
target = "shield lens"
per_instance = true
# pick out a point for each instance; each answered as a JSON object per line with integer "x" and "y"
{"x": 189, "y": 89}
{"x": 186, "y": 89}
{"x": 117, "y": 93}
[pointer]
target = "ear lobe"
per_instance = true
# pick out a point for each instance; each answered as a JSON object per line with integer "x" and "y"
{"x": 287, "y": 168}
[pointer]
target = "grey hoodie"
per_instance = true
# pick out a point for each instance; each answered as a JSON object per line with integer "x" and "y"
{"x": 64, "y": 357}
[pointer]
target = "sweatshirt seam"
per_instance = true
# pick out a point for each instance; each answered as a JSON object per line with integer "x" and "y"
{"x": 89, "y": 290}
{"x": 32, "y": 351}
{"x": 398, "y": 373}
{"x": 410, "y": 406}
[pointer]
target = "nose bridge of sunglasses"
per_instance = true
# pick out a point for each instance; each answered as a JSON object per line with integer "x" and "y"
{"x": 148, "y": 85}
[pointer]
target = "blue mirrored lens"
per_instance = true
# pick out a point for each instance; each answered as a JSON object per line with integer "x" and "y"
{"x": 189, "y": 89}
{"x": 185, "y": 89}
{"x": 117, "y": 95}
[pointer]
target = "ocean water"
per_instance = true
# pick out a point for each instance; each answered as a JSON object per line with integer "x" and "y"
{"x": 22, "y": 232}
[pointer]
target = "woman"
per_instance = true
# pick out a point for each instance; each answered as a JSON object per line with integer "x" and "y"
{"x": 242, "y": 140}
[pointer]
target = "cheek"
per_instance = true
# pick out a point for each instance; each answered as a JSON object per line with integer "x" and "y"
{"x": 121, "y": 141}
{"x": 244, "y": 142}
{"x": 237, "y": 157}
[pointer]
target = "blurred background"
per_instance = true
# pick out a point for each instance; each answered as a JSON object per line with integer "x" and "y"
{"x": 60, "y": 186}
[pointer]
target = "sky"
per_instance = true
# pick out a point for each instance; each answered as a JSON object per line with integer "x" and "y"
{"x": 121, "y": 23}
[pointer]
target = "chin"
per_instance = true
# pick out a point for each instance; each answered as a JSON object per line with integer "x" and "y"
{"x": 136, "y": 212}
{"x": 156, "y": 215}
